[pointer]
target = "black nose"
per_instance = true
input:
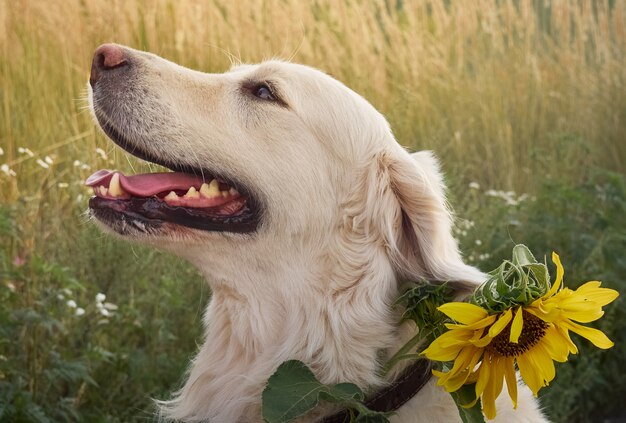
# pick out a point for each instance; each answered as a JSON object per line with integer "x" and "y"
{"x": 106, "y": 58}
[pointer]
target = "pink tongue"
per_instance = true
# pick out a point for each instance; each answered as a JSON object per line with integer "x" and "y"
{"x": 147, "y": 184}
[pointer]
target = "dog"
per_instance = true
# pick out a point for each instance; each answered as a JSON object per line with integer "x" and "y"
{"x": 291, "y": 196}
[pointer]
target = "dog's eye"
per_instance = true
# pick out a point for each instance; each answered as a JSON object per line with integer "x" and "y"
{"x": 263, "y": 92}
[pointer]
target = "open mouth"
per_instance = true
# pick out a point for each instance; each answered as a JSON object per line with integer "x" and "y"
{"x": 145, "y": 202}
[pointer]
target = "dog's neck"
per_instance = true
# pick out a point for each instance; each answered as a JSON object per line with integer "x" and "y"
{"x": 335, "y": 317}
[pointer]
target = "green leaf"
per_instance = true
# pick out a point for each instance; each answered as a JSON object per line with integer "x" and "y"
{"x": 464, "y": 396}
{"x": 522, "y": 255}
{"x": 293, "y": 391}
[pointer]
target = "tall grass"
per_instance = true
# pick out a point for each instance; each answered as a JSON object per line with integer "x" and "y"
{"x": 485, "y": 83}
{"x": 509, "y": 93}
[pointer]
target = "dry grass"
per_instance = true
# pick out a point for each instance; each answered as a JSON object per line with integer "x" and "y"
{"x": 505, "y": 91}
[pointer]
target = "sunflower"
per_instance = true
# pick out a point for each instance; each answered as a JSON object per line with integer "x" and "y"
{"x": 484, "y": 347}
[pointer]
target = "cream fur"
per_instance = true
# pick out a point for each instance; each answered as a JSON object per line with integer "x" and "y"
{"x": 347, "y": 212}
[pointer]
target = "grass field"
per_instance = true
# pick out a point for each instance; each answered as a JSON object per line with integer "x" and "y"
{"x": 524, "y": 101}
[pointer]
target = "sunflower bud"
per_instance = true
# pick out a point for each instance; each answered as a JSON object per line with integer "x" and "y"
{"x": 515, "y": 282}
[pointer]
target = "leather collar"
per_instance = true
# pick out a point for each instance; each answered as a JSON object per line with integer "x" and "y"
{"x": 395, "y": 394}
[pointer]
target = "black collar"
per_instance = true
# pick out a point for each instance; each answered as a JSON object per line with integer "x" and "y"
{"x": 395, "y": 395}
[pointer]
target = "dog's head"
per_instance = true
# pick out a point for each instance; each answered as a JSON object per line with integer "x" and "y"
{"x": 274, "y": 157}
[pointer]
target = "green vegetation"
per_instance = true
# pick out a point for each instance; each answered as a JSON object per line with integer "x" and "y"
{"x": 523, "y": 101}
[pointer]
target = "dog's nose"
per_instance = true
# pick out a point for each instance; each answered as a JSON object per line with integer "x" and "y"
{"x": 106, "y": 58}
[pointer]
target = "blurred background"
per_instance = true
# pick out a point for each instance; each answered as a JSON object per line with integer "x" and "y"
{"x": 524, "y": 102}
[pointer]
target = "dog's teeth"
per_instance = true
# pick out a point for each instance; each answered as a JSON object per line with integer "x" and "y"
{"x": 233, "y": 191}
{"x": 211, "y": 190}
{"x": 115, "y": 189}
{"x": 171, "y": 196}
{"x": 192, "y": 193}
{"x": 204, "y": 189}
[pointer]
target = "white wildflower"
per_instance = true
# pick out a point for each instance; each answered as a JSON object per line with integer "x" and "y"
{"x": 63, "y": 185}
{"x": 100, "y": 297}
{"x": 478, "y": 242}
{"x": 491, "y": 193}
{"x": 60, "y": 297}
{"x": 48, "y": 160}
{"x": 85, "y": 166}
{"x": 67, "y": 291}
{"x": 43, "y": 164}
{"x": 105, "y": 312}
{"x": 101, "y": 153}
{"x": 77, "y": 163}
{"x": 24, "y": 150}
{"x": 7, "y": 170}
{"x": 110, "y": 306}
{"x": 80, "y": 311}
{"x": 1, "y": 152}
{"x": 474, "y": 185}
{"x": 71, "y": 304}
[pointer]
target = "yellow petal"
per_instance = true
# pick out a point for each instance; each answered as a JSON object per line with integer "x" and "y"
{"x": 434, "y": 352}
{"x": 447, "y": 346}
{"x": 462, "y": 361}
{"x": 529, "y": 373}
{"x": 559, "y": 276}
{"x": 463, "y": 312}
{"x": 482, "y": 342}
{"x": 583, "y": 316}
{"x": 601, "y": 296}
{"x": 516, "y": 326}
{"x": 548, "y": 312}
{"x": 556, "y": 345}
{"x": 463, "y": 366}
{"x": 492, "y": 390}
{"x": 502, "y": 322}
{"x": 489, "y": 401}
{"x": 596, "y": 336}
{"x": 454, "y": 337}
{"x": 483, "y": 376}
{"x": 441, "y": 376}
{"x": 565, "y": 336}
{"x": 511, "y": 380}
{"x": 498, "y": 377}
{"x": 455, "y": 382}
{"x": 543, "y": 363}
{"x": 579, "y": 308}
{"x": 482, "y": 323}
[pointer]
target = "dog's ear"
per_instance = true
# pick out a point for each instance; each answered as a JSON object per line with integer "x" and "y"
{"x": 411, "y": 214}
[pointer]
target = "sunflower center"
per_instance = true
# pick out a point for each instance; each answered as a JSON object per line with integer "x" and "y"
{"x": 532, "y": 331}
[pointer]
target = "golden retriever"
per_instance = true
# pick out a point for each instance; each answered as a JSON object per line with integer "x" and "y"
{"x": 292, "y": 197}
